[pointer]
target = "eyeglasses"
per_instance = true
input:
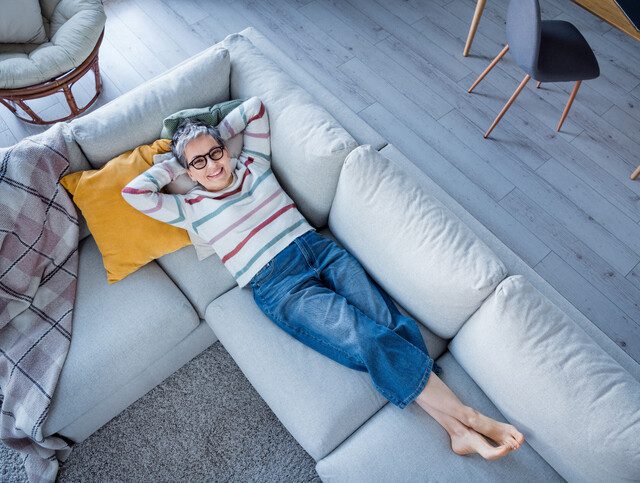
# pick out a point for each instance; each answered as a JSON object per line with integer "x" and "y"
{"x": 200, "y": 162}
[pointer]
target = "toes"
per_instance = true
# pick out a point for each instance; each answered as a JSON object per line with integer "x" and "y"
{"x": 498, "y": 452}
{"x": 518, "y": 436}
{"x": 507, "y": 445}
{"x": 513, "y": 444}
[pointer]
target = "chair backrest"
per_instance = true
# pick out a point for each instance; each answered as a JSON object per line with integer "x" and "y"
{"x": 523, "y": 33}
{"x": 47, "y": 7}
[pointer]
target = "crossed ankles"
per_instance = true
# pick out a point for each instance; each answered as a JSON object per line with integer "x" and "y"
{"x": 468, "y": 441}
{"x": 501, "y": 433}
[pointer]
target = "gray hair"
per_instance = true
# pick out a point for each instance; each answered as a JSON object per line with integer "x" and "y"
{"x": 188, "y": 130}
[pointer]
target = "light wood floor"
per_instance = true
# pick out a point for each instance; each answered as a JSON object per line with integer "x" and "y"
{"x": 563, "y": 202}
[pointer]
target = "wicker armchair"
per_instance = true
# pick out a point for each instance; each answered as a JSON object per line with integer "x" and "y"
{"x": 29, "y": 71}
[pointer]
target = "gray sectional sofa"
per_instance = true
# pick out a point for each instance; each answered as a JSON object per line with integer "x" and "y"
{"x": 508, "y": 343}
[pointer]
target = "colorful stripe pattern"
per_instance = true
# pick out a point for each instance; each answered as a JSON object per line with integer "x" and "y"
{"x": 245, "y": 217}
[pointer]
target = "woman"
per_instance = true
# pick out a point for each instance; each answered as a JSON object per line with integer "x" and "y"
{"x": 304, "y": 282}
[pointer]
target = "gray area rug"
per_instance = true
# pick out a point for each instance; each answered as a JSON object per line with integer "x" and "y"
{"x": 205, "y": 422}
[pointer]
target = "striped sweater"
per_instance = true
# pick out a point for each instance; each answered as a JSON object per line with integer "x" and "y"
{"x": 249, "y": 222}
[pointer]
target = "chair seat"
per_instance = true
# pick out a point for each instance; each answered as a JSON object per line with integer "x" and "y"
{"x": 565, "y": 54}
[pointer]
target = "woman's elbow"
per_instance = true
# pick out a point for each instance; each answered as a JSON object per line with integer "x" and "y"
{"x": 131, "y": 194}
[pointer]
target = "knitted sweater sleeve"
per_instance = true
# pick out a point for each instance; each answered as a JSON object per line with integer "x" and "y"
{"x": 143, "y": 193}
{"x": 251, "y": 118}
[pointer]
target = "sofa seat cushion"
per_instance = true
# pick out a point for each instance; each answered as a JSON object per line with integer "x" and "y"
{"x": 201, "y": 281}
{"x": 577, "y": 407}
{"x": 409, "y": 445}
{"x": 318, "y": 400}
{"x": 136, "y": 117}
{"x": 119, "y": 330}
{"x": 412, "y": 244}
{"x": 308, "y": 146}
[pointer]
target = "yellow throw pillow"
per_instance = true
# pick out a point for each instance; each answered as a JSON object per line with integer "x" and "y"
{"x": 127, "y": 238}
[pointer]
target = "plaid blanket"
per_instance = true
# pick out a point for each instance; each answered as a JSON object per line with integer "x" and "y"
{"x": 38, "y": 272}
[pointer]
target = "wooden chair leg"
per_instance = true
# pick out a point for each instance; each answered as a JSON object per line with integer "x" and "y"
{"x": 569, "y": 102}
{"x": 636, "y": 173}
{"x": 489, "y": 67}
{"x": 508, "y": 104}
{"x": 8, "y": 105}
{"x": 474, "y": 25}
{"x": 35, "y": 119}
{"x": 96, "y": 72}
{"x": 71, "y": 101}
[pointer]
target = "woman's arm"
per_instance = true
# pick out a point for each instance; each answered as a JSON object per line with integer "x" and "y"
{"x": 252, "y": 118}
{"x": 143, "y": 193}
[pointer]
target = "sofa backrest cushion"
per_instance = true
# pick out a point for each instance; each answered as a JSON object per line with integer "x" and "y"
{"x": 135, "y": 118}
{"x": 419, "y": 252}
{"x": 576, "y": 406}
{"x": 308, "y": 146}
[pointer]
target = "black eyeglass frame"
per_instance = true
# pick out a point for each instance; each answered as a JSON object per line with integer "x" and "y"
{"x": 203, "y": 158}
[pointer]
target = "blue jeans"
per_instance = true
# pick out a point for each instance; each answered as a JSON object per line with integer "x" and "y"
{"x": 319, "y": 293}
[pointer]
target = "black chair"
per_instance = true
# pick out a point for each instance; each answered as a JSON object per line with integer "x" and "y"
{"x": 547, "y": 50}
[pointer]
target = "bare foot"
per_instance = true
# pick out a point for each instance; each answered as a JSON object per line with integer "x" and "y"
{"x": 469, "y": 441}
{"x": 501, "y": 433}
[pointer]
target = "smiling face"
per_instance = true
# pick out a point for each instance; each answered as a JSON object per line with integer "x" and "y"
{"x": 216, "y": 175}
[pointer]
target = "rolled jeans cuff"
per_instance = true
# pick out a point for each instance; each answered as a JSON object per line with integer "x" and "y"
{"x": 421, "y": 385}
